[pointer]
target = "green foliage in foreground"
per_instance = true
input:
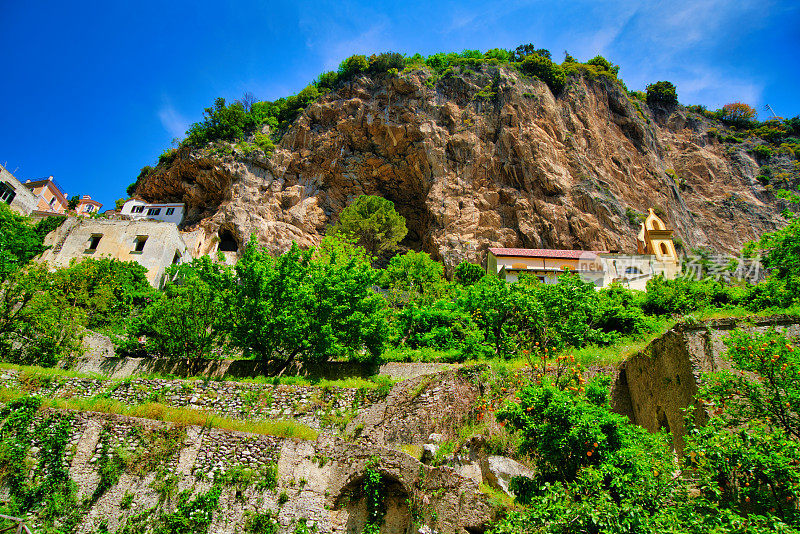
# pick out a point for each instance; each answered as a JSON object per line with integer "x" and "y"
{"x": 598, "y": 473}
{"x": 20, "y": 240}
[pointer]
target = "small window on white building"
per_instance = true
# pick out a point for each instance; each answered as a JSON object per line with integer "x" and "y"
{"x": 138, "y": 209}
{"x": 154, "y": 211}
{"x": 170, "y": 211}
{"x": 89, "y": 208}
{"x": 139, "y": 243}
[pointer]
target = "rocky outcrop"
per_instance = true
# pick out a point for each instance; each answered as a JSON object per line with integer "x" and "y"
{"x": 477, "y": 159}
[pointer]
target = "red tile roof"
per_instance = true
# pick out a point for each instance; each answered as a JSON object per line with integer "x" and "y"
{"x": 544, "y": 253}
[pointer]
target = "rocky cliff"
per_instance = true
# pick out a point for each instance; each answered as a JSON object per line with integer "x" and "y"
{"x": 481, "y": 158}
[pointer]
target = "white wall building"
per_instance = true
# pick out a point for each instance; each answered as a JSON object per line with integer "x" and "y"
{"x": 139, "y": 209}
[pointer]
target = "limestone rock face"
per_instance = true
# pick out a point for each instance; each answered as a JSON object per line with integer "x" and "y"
{"x": 470, "y": 168}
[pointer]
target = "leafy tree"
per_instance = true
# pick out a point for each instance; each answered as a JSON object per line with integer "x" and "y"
{"x": 221, "y": 121}
{"x": 661, "y": 93}
{"x": 327, "y": 80}
{"x": 738, "y": 114}
{"x": 20, "y": 241}
{"x": 106, "y": 290}
{"x": 440, "y": 325}
{"x": 373, "y": 223}
{"x": 493, "y": 305}
{"x": 385, "y": 61}
{"x": 186, "y": 320}
{"x": 543, "y": 68}
{"x": 596, "y": 472}
{"x": 746, "y": 456}
{"x": 604, "y": 64}
{"x": 292, "y": 307}
{"x": 72, "y": 203}
{"x": 353, "y": 65}
{"x": 119, "y": 203}
{"x": 37, "y": 325}
{"x": 467, "y": 273}
{"x": 414, "y": 276}
{"x": 618, "y": 311}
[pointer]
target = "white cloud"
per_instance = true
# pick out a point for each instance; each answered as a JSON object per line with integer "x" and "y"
{"x": 173, "y": 122}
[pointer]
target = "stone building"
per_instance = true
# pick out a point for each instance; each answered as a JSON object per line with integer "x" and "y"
{"x": 15, "y": 194}
{"x": 139, "y": 209}
{"x": 50, "y": 197}
{"x": 154, "y": 244}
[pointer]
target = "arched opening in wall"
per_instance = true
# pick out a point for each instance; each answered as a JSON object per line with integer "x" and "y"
{"x": 656, "y": 226}
{"x": 664, "y": 249}
{"x": 227, "y": 241}
{"x": 661, "y": 419}
{"x": 352, "y": 502}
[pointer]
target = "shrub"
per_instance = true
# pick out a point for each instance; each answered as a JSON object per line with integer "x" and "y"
{"x": 603, "y": 64}
{"x": 762, "y": 151}
{"x": 353, "y": 65}
{"x": 738, "y": 114}
{"x": 467, "y": 273}
{"x": 544, "y": 69}
{"x": 386, "y": 61}
{"x": 661, "y": 93}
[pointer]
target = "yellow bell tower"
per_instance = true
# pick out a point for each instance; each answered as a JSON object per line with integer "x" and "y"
{"x": 654, "y": 238}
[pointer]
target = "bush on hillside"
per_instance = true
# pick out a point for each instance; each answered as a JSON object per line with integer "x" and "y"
{"x": 661, "y": 93}
{"x": 550, "y": 73}
{"x": 738, "y": 114}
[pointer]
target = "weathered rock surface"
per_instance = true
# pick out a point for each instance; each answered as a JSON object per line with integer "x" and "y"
{"x": 513, "y": 166}
{"x": 499, "y": 470}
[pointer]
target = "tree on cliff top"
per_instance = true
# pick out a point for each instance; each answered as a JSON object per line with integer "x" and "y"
{"x": 373, "y": 223}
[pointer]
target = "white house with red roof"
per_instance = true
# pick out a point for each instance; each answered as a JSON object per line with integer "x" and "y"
{"x": 656, "y": 255}
{"x": 545, "y": 264}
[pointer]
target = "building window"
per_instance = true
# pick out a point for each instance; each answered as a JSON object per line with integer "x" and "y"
{"x": 52, "y": 201}
{"x": 170, "y": 211}
{"x": 633, "y": 270}
{"x": 7, "y": 193}
{"x": 137, "y": 209}
{"x": 94, "y": 240}
{"x": 89, "y": 208}
{"x": 154, "y": 211}
{"x": 176, "y": 259}
{"x": 664, "y": 249}
{"x": 139, "y": 243}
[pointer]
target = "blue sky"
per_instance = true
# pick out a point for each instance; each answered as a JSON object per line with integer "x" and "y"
{"x": 93, "y": 91}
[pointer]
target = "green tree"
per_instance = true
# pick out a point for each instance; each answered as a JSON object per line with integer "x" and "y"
{"x": 37, "y": 325}
{"x": 73, "y": 202}
{"x": 292, "y": 307}
{"x": 186, "y": 320}
{"x": 20, "y": 241}
{"x": 353, "y": 65}
{"x": 661, "y": 93}
{"x": 467, "y": 273}
{"x": 373, "y": 223}
{"x": 738, "y": 114}
{"x": 414, "y": 276}
{"x": 106, "y": 290}
{"x": 543, "y": 68}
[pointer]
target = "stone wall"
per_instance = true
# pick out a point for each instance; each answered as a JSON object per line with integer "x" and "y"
{"x": 656, "y": 385}
{"x": 317, "y": 407}
{"x": 317, "y": 482}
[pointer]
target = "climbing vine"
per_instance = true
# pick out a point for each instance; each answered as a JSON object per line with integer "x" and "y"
{"x": 373, "y": 494}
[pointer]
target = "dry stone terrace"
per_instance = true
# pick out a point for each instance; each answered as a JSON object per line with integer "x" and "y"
{"x": 310, "y": 405}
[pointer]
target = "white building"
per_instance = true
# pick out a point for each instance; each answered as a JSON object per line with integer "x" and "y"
{"x": 139, "y": 209}
{"x": 656, "y": 256}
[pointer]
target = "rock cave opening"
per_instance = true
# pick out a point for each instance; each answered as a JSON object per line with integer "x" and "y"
{"x": 353, "y": 503}
{"x": 227, "y": 241}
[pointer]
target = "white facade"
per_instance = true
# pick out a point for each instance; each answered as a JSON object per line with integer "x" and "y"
{"x": 139, "y": 209}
